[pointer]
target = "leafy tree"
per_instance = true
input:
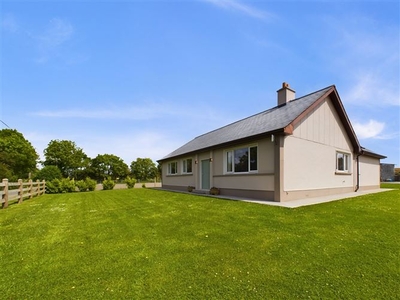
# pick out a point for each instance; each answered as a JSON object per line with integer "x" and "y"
{"x": 17, "y": 156}
{"x": 143, "y": 169}
{"x": 69, "y": 158}
{"x": 48, "y": 173}
{"x": 108, "y": 166}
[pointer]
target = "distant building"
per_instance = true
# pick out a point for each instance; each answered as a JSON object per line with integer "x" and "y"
{"x": 387, "y": 172}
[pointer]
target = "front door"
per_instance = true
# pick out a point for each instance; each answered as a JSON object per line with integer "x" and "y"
{"x": 205, "y": 174}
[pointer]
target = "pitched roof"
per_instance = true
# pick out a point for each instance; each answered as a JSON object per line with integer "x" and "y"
{"x": 279, "y": 119}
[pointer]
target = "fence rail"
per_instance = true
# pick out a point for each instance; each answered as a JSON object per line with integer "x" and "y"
{"x": 10, "y": 191}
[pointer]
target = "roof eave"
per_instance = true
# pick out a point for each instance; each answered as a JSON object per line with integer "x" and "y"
{"x": 288, "y": 130}
{"x": 371, "y": 154}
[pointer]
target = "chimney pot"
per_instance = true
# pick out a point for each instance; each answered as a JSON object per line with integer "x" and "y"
{"x": 285, "y": 94}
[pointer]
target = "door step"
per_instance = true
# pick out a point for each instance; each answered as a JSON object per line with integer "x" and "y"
{"x": 203, "y": 192}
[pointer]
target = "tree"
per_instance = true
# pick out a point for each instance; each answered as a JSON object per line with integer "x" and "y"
{"x": 69, "y": 158}
{"x": 143, "y": 169}
{"x": 48, "y": 173}
{"x": 108, "y": 166}
{"x": 17, "y": 156}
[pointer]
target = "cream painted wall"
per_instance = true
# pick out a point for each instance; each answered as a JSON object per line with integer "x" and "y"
{"x": 310, "y": 153}
{"x": 310, "y": 165}
{"x": 369, "y": 171}
{"x": 178, "y": 179}
{"x": 258, "y": 182}
{"x": 262, "y": 180}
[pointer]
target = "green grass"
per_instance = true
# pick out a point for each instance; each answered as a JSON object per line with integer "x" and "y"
{"x": 386, "y": 185}
{"x": 149, "y": 244}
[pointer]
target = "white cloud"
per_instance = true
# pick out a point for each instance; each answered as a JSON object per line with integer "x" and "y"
{"x": 240, "y": 7}
{"x": 372, "y": 129}
{"x": 9, "y": 23}
{"x": 146, "y": 111}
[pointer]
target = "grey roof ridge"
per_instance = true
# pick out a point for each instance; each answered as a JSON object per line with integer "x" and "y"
{"x": 265, "y": 111}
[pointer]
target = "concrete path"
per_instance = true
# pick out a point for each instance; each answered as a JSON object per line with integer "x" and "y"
{"x": 311, "y": 201}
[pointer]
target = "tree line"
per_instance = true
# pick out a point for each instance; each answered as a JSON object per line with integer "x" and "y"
{"x": 64, "y": 159}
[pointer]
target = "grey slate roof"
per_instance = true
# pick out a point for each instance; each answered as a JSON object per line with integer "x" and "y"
{"x": 270, "y": 120}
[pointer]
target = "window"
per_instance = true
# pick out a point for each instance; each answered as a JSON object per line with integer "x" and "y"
{"x": 241, "y": 160}
{"x": 342, "y": 162}
{"x": 173, "y": 168}
{"x": 187, "y": 166}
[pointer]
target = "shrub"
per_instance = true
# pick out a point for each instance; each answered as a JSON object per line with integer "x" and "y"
{"x": 108, "y": 184}
{"x": 90, "y": 183}
{"x": 144, "y": 185}
{"x": 53, "y": 186}
{"x": 130, "y": 182}
{"x": 67, "y": 185}
{"x": 214, "y": 191}
{"x": 81, "y": 185}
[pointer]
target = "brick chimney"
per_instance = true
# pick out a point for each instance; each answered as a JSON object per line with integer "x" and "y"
{"x": 285, "y": 94}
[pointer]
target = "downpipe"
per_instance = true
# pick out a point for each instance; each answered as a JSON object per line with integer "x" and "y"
{"x": 358, "y": 172}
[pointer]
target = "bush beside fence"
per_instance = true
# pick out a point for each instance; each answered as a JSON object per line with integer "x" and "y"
{"x": 11, "y": 191}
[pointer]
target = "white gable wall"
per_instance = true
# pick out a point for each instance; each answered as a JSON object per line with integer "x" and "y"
{"x": 369, "y": 172}
{"x": 310, "y": 153}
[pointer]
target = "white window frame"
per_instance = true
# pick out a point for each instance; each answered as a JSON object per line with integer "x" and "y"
{"x": 170, "y": 168}
{"x": 229, "y": 160}
{"x": 185, "y": 165}
{"x": 346, "y": 162}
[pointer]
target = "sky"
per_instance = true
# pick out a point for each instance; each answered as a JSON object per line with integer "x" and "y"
{"x": 142, "y": 78}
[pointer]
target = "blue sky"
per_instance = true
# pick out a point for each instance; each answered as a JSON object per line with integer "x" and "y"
{"x": 141, "y": 78}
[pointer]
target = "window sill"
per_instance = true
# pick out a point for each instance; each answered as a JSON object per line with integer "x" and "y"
{"x": 343, "y": 173}
{"x": 174, "y": 175}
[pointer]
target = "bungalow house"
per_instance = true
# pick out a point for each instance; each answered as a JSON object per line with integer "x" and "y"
{"x": 303, "y": 147}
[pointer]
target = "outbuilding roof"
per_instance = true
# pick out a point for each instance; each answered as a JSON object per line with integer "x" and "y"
{"x": 279, "y": 119}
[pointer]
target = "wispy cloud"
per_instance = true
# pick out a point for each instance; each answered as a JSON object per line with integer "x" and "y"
{"x": 373, "y": 90}
{"x": 237, "y": 6}
{"x": 147, "y": 111}
{"x": 9, "y": 23}
{"x": 368, "y": 61}
{"x": 57, "y": 34}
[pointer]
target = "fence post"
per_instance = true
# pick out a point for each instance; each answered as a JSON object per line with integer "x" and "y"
{"x": 37, "y": 190}
{"x": 44, "y": 187}
{"x": 5, "y": 196}
{"x": 21, "y": 191}
{"x": 30, "y": 189}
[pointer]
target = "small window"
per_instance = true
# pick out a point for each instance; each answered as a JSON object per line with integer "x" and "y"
{"x": 241, "y": 160}
{"x": 187, "y": 166}
{"x": 173, "y": 168}
{"x": 342, "y": 162}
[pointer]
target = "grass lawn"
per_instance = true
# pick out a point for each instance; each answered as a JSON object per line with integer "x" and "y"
{"x": 150, "y": 244}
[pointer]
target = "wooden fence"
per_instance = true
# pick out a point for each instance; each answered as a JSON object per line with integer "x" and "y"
{"x": 10, "y": 191}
